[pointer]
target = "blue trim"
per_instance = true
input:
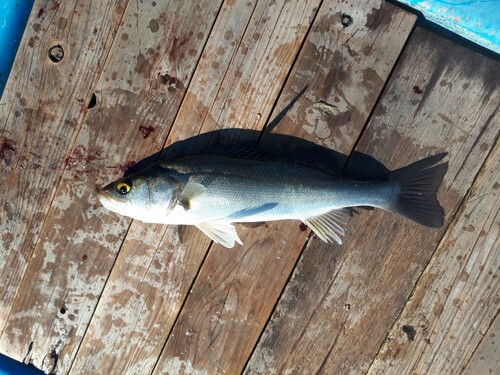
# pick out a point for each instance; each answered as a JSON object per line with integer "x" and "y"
{"x": 8, "y": 366}
{"x": 14, "y": 15}
{"x": 476, "y": 20}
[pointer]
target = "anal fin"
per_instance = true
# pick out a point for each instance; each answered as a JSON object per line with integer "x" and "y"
{"x": 220, "y": 231}
{"x": 329, "y": 226}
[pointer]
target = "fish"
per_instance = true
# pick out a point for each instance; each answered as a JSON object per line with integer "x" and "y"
{"x": 214, "y": 191}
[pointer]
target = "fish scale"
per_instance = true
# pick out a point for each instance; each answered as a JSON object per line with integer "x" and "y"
{"x": 285, "y": 190}
{"x": 214, "y": 191}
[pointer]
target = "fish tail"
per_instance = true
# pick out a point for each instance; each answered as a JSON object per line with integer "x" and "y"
{"x": 418, "y": 185}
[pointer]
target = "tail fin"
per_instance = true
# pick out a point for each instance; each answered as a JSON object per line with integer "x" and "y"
{"x": 418, "y": 186}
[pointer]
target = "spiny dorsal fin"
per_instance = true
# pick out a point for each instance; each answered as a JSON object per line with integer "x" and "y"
{"x": 316, "y": 157}
{"x": 190, "y": 192}
{"x": 220, "y": 231}
{"x": 313, "y": 157}
{"x": 245, "y": 150}
{"x": 329, "y": 226}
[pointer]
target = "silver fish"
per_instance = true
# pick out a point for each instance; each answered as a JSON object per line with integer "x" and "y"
{"x": 214, "y": 191}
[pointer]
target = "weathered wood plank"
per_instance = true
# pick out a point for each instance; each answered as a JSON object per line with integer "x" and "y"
{"x": 138, "y": 96}
{"x": 41, "y": 111}
{"x": 243, "y": 66}
{"x": 457, "y": 298}
{"x": 236, "y": 289}
{"x": 486, "y": 358}
{"x": 341, "y": 301}
{"x": 344, "y": 69}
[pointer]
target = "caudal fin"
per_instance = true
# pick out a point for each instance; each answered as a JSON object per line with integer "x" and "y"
{"x": 418, "y": 186}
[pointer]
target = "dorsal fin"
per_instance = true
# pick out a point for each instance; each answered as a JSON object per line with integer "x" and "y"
{"x": 316, "y": 157}
{"x": 313, "y": 157}
{"x": 246, "y": 150}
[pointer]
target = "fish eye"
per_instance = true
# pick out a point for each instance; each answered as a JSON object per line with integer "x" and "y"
{"x": 123, "y": 188}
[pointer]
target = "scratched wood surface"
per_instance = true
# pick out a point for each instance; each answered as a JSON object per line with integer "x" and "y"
{"x": 41, "y": 113}
{"x": 486, "y": 358}
{"x": 341, "y": 300}
{"x": 240, "y": 64}
{"x": 138, "y": 101}
{"x": 234, "y": 292}
{"x": 89, "y": 292}
{"x": 456, "y": 317}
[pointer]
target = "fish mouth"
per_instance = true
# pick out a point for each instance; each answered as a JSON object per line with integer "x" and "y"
{"x": 109, "y": 201}
{"x": 103, "y": 195}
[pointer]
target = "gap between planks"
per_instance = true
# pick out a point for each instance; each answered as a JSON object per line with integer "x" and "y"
{"x": 178, "y": 116}
{"x": 216, "y": 249}
{"x": 279, "y": 331}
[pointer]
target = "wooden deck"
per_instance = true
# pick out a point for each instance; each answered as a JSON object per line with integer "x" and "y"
{"x": 85, "y": 291}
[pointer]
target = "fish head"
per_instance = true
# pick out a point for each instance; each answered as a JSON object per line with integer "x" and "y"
{"x": 148, "y": 195}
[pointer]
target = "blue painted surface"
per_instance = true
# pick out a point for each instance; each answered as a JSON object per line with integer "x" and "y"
{"x": 476, "y": 20}
{"x": 13, "y": 17}
{"x": 10, "y": 367}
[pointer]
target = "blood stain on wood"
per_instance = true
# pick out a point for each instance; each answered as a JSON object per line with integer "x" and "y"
{"x": 145, "y": 65}
{"x": 80, "y": 154}
{"x": 6, "y": 147}
{"x": 126, "y": 166}
{"x": 410, "y": 332}
{"x": 166, "y": 79}
{"x": 176, "y": 45}
{"x": 146, "y": 131}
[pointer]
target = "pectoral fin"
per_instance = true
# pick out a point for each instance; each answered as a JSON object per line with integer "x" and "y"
{"x": 190, "y": 192}
{"x": 329, "y": 226}
{"x": 220, "y": 231}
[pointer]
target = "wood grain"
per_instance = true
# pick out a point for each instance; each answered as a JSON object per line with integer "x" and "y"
{"x": 486, "y": 358}
{"x": 236, "y": 289}
{"x": 87, "y": 291}
{"x": 450, "y": 322}
{"x": 41, "y": 112}
{"x": 242, "y": 69}
{"x": 343, "y": 70}
{"x": 138, "y": 96}
{"x": 341, "y": 300}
